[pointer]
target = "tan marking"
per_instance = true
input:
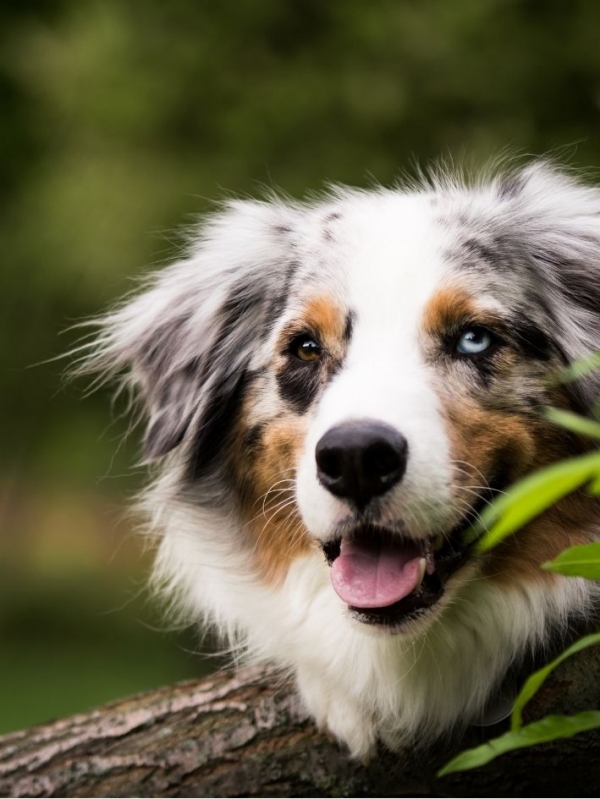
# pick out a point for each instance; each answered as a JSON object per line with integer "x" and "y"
{"x": 447, "y": 307}
{"x": 273, "y": 526}
{"x": 326, "y": 316}
{"x": 480, "y": 438}
{"x": 276, "y": 527}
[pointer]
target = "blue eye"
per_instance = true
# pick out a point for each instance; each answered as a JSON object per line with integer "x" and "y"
{"x": 474, "y": 341}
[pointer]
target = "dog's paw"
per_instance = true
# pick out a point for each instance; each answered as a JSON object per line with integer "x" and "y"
{"x": 343, "y": 718}
{"x": 352, "y": 727}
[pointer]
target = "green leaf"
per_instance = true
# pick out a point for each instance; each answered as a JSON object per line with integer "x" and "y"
{"x": 580, "y": 368}
{"x": 547, "y": 729}
{"x": 594, "y": 486}
{"x": 579, "y": 561}
{"x": 533, "y": 495}
{"x": 536, "y": 680}
{"x": 573, "y": 422}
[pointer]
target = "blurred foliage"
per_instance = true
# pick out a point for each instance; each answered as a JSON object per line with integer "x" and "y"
{"x": 121, "y": 122}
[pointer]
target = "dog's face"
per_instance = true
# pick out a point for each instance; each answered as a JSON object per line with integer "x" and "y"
{"x": 364, "y": 375}
{"x": 398, "y": 395}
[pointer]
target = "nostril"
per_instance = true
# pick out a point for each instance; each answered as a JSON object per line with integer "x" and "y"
{"x": 384, "y": 458}
{"x": 329, "y": 462}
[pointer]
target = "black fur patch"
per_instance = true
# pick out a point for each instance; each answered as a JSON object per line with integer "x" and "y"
{"x": 213, "y": 438}
{"x": 577, "y": 282}
{"x": 581, "y": 288}
{"x": 485, "y": 369}
{"x": 349, "y": 327}
{"x": 532, "y": 341}
{"x": 299, "y": 383}
{"x": 253, "y": 439}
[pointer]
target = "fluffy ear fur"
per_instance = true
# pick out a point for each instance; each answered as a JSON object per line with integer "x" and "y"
{"x": 550, "y": 221}
{"x": 186, "y": 344}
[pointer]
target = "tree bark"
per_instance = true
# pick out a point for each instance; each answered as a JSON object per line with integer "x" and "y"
{"x": 245, "y": 733}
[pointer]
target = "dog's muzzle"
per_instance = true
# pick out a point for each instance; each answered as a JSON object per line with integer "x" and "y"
{"x": 385, "y": 575}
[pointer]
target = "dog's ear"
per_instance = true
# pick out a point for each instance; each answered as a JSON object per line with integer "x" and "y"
{"x": 185, "y": 344}
{"x": 558, "y": 217}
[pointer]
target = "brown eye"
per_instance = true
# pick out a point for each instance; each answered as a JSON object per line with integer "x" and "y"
{"x": 306, "y": 348}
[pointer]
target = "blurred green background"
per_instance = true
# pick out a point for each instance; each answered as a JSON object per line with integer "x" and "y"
{"x": 121, "y": 121}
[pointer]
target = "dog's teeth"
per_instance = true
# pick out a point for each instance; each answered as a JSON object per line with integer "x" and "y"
{"x": 422, "y": 567}
{"x": 429, "y": 557}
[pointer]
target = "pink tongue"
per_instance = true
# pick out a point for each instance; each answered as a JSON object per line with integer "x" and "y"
{"x": 374, "y": 575}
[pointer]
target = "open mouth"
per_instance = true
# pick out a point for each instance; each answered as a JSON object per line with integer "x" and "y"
{"x": 386, "y": 579}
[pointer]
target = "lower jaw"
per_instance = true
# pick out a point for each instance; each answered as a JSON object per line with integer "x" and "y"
{"x": 391, "y": 623}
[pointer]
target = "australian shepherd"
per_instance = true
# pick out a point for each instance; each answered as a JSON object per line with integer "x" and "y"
{"x": 334, "y": 390}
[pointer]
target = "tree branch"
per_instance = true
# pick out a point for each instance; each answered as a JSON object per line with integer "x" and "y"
{"x": 246, "y": 734}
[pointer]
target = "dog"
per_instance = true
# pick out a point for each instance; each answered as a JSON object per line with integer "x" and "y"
{"x": 334, "y": 391}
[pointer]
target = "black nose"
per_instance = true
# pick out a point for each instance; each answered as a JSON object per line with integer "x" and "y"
{"x": 360, "y": 460}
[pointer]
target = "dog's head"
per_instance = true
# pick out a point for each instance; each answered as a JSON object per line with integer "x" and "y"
{"x": 363, "y": 374}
